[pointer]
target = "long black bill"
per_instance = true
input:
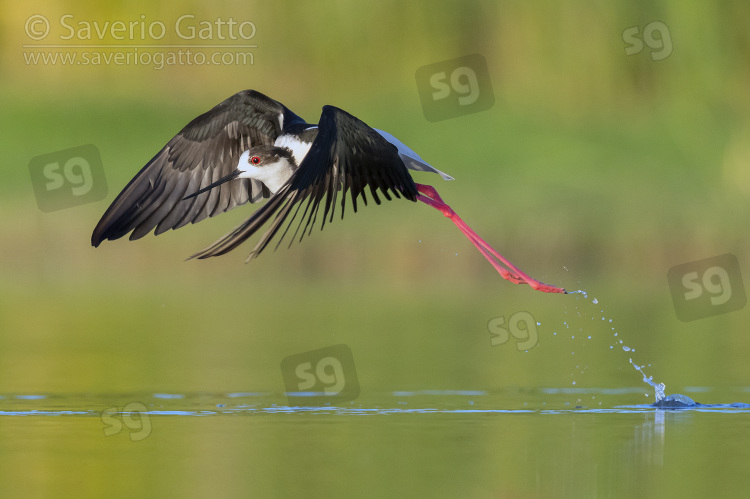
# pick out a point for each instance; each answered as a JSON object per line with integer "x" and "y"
{"x": 226, "y": 178}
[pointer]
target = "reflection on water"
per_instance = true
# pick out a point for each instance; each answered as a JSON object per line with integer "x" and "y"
{"x": 647, "y": 444}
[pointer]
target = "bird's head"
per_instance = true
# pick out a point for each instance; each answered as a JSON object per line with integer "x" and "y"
{"x": 263, "y": 157}
{"x": 270, "y": 164}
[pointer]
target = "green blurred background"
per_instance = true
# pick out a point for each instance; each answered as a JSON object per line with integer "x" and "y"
{"x": 593, "y": 170}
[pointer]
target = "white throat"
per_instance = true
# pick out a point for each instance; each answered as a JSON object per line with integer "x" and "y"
{"x": 273, "y": 175}
{"x": 299, "y": 148}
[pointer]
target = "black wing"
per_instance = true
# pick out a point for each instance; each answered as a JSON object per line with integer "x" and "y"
{"x": 207, "y": 149}
{"x": 347, "y": 155}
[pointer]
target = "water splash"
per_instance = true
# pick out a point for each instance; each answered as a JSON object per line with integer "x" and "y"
{"x": 674, "y": 401}
{"x": 658, "y": 388}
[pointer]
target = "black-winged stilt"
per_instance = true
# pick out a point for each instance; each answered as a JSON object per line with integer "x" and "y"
{"x": 251, "y": 147}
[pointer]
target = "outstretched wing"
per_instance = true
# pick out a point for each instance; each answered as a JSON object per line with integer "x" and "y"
{"x": 346, "y": 156}
{"x": 207, "y": 149}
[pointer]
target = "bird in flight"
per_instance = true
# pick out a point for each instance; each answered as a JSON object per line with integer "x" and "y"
{"x": 251, "y": 147}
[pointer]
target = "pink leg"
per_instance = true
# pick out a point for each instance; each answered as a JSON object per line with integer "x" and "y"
{"x": 430, "y": 197}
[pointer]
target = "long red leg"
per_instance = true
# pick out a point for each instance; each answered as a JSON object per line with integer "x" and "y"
{"x": 430, "y": 197}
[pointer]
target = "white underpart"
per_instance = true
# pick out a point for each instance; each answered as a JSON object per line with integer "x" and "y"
{"x": 410, "y": 158}
{"x": 299, "y": 148}
{"x": 273, "y": 176}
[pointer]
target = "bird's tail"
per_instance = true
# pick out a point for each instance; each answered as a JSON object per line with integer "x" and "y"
{"x": 411, "y": 159}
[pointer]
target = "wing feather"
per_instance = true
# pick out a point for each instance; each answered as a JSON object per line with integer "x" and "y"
{"x": 207, "y": 149}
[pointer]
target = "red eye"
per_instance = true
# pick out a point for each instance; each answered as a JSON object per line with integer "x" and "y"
{"x": 255, "y": 160}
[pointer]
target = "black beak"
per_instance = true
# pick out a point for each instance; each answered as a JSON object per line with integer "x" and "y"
{"x": 226, "y": 178}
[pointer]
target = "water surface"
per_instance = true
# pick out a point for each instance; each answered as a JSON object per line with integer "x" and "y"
{"x": 546, "y": 442}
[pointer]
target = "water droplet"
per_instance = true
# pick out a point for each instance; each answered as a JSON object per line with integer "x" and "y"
{"x": 596, "y": 301}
